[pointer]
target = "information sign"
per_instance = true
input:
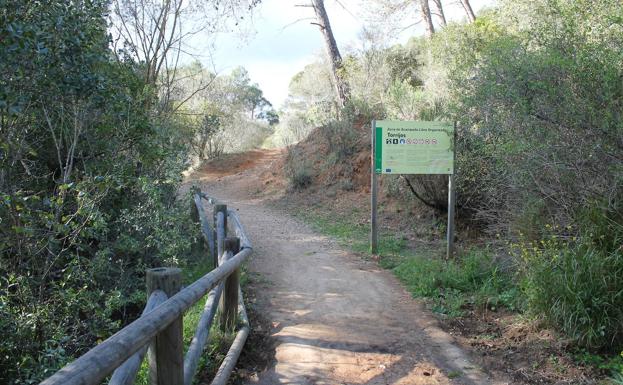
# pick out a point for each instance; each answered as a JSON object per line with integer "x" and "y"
{"x": 413, "y": 147}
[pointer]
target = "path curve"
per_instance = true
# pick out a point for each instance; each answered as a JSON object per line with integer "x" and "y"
{"x": 336, "y": 318}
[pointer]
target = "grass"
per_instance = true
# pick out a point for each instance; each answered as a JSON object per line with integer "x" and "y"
{"x": 471, "y": 280}
{"x": 353, "y": 235}
{"x": 454, "y": 374}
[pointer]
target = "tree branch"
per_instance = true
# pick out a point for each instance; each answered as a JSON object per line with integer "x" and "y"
{"x": 418, "y": 196}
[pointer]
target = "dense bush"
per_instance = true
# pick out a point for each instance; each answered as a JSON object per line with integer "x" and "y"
{"x": 88, "y": 182}
{"x": 536, "y": 88}
{"x": 574, "y": 281}
{"x": 538, "y": 83}
{"x": 341, "y": 139}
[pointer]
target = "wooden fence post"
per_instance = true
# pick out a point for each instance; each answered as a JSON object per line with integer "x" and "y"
{"x": 199, "y": 244}
{"x": 229, "y": 299}
{"x": 218, "y": 241}
{"x": 194, "y": 212}
{"x": 166, "y": 356}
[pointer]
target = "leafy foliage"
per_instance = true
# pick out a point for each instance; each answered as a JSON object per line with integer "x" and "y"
{"x": 574, "y": 281}
{"x": 88, "y": 182}
{"x": 540, "y": 95}
{"x": 536, "y": 88}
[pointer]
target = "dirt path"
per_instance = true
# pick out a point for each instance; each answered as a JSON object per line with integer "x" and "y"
{"x": 336, "y": 319}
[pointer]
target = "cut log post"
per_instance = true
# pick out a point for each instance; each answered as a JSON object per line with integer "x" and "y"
{"x": 199, "y": 243}
{"x": 451, "y": 200}
{"x": 223, "y": 373}
{"x": 207, "y": 231}
{"x": 229, "y": 298}
{"x": 194, "y": 211}
{"x": 166, "y": 354}
{"x": 220, "y": 230}
{"x": 451, "y": 203}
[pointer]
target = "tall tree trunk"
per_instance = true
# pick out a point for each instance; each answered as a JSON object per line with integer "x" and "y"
{"x": 440, "y": 13}
{"x": 341, "y": 85}
{"x": 428, "y": 20}
{"x": 468, "y": 10}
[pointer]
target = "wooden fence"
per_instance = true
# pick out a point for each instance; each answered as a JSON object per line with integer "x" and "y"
{"x": 158, "y": 332}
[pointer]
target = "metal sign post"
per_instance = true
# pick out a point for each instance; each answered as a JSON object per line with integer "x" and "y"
{"x": 451, "y": 203}
{"x": 373, "y": 193}
{"x": 450, "y": 234}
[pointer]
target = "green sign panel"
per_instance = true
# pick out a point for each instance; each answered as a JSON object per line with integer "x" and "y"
{"x": 410, "y": 147}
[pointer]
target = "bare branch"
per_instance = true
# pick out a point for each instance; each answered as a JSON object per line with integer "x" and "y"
{"x": 295, "y": 22}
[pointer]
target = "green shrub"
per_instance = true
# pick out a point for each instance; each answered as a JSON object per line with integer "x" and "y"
{"x": 346, "y": 185}
{"x": 574, "y": 282}
{"x": 298, "y": 170}
{"x": 360, "y": 110}
{"x": 302, "y": 176}
{"x": 610, "y": 364}
{"x": 406, "y": 102}
{"x": 341, "y": 139}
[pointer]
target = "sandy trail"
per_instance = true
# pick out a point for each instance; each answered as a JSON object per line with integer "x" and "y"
{"x": 336, "y": 318}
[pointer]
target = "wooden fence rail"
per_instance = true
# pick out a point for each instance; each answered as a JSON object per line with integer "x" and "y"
{"x": 126, "y": 373}
{"x": 159, "y": 329}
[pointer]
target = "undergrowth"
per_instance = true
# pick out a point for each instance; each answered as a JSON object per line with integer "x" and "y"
{"x": 572, "y": 278}
{"x": 612, "y": 365}
{"x": 298, "y": 169}
{"x": 472, "y": 280}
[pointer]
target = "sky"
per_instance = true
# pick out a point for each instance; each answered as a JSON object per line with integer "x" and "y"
{"x": 277, "y": 47}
